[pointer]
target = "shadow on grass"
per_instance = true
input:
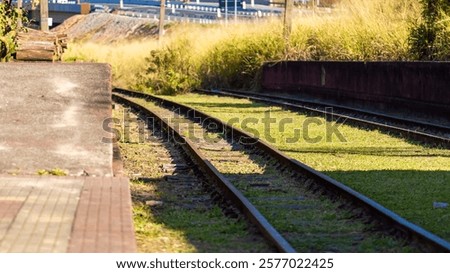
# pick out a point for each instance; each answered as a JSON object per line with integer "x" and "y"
{"x": 409, "y": 193}
{"x": 257, "y": 105}
{"x": 391, "y": 151}
{"x": 221, "y": 105}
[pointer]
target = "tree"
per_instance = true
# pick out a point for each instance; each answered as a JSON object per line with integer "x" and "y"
{"x": 9, "y": 20}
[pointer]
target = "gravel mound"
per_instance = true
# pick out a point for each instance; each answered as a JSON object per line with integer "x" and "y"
{"x": 107, "y": 28}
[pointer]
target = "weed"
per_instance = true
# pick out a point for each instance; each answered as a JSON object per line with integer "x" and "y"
{"x": 55, "y": 172}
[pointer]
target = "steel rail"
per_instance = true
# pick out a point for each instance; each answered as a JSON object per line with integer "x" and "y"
{"x": 412, "y": 122}
{"x": 293, "y": 104}
{"x": 227, "y": 189}
{"x": 409, "y": 230}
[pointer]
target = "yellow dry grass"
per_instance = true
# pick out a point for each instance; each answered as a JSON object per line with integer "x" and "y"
{"x": 355, "y": 30}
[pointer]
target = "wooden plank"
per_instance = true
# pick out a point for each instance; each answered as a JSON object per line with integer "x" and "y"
{"x": 34, "y": 55}
{"x": 51, "y": 48}
{"x": 35, "y": 42}
{"x": 36, "y": 38}
{"x": 61, "y": 35}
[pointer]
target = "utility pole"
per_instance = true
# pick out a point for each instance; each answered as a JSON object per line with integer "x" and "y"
{"x": 288, "y": 7}
{"x": 226, "y": 12}
{"x": 314, "y": 7}
{"x": 19, "y": 6}
{"x": 44, "y": 14}
{"x": 235, "y": 11}
{"x": 162, "y": 15}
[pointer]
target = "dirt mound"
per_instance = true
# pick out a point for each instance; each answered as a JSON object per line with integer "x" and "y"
{"x": 107, "y": 28}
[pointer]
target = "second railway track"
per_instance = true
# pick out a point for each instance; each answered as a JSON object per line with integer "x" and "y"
{"x": 312, "y": 211}
{"x": 422, "y": 131}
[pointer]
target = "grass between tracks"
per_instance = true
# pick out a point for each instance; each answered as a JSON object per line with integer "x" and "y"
{"x": 401, "y": 175}
{"x": 179, "y": 223}
{"x": 310, "y": 222}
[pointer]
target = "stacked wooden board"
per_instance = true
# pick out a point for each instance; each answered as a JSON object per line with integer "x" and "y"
{"x": 34, "y": 45}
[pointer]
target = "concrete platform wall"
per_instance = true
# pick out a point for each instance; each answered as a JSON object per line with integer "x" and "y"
{"x": 53, "y": 117}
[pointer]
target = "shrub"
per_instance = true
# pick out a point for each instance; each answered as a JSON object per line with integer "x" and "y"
{"x": 170, "y": 70}
{"x": 430, "y": 35}
{"x": 236, "y": 62}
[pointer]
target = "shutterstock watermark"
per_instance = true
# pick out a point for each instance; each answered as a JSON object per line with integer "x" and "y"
{"x": 311, "y": 130}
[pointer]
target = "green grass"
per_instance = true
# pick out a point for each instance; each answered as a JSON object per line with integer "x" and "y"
{"x": 303, "y": 218}
{"x": 156, "y": 236}
{"x": 181, "y": 230}
{"x": 401, "y": 175}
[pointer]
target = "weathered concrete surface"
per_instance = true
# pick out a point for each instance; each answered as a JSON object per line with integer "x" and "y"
{"x": 52, "y": 116}
{"x": 416, "y": 86}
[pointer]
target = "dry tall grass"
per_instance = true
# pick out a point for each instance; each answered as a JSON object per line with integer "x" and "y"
{"x": 127, "y": 59}
{"x": 232, "y": 55}
{"x": 357, "y": 30}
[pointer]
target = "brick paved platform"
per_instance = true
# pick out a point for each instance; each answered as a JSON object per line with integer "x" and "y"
{"x": 65, "y": 214}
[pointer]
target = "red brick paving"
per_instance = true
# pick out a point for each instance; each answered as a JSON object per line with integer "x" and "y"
{"x": 103, "y": 221}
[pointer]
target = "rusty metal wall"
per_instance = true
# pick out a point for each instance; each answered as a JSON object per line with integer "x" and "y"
{"x": 417, "y": 84}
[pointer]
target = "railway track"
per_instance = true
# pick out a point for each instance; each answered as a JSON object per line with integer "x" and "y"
{"x": 424, "y": 132}
{"x": 289, "y": 194}
{"x": 167, "y": 182}
{"x": 226, "y": 188}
